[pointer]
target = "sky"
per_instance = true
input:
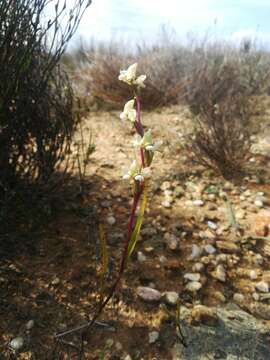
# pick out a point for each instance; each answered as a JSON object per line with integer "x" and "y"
{"x": 141, "y": 20}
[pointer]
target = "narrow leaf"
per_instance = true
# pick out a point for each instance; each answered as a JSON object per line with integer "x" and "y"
{"x": 136, "y": 231}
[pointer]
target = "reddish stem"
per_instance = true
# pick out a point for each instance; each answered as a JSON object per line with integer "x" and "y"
{"x": 139, "y": 127}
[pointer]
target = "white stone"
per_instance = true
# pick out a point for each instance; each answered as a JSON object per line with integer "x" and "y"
{"x": 253, "y": 275}
{"x": 198, "y": 267}
{"x": 220, "y": 273}
{"x": 196, "y": 251}
{"x": 210, "y": 249}
{"x": 148, "y": 294}
{"x": 111, "y": 220}
{"x": 262, "y": 286}
{"x": 29, "y": 325}
{"x": 171, "y": 297}
{"x": 258, "y": 203}
{"x": 55, "y": 281}
{"x": 193, "y": 286}
{"x": 238, "y": 298}
{"x": 17, "y": 343}
{"x": 212, "y": 225}
{"x": 192, "y": 276}
{"x": 256, "y": 296}
{"x": 153, "y": 337}
{"x": 198, "y": 202}
{"x": 141, "y": 257}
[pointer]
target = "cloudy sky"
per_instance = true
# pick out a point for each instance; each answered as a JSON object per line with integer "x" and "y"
{"x": 142, "y": 19}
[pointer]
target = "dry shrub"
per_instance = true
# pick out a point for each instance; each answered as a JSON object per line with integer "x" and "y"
{"x": 222, "y": 108}
{"x": 96, "y": 79}
{"x": 37, "y": 114}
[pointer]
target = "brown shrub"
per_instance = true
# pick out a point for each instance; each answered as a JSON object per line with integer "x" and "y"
{"x": 221, "y": 106}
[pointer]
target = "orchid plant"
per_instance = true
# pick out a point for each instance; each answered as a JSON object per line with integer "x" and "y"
{"x": 138, "y": 174}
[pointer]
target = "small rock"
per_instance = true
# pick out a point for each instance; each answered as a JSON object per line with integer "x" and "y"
{"x": 196, "y": 251}
{"x": 111, "y": 220}
{"x": 240, "y": 214}
{"x": 198, "y": 202}
{"x": 171, "y": 297}
{"x": 204, "y": 315}
{"x": 210, "y": 249}
{"x": 227, "y": 246}
{"x": 29, "y": 325}
{"x": 228, "y": 186}
{"x": 192, "y": 276}
{"x": 141, "y": 257}
{"x": 219, "y": 273}
{"x": 172, "y": 242}
{"x": 153, "y": 337}
{"x": 193, "y": 286}
{"x": 258, "y": 203}
{"x": 166, "y": 185}
{"x": 253, "y": 275}
{"x": 17, "y": 343}
{"x": 222, "y": 258}
{"x": 148, "y": 294}
{"x": 212, "y": 225}
{"x": 258, "y": 259}
{"x": 238, "y": 298}
{"x": 162, "y": 259}
{"x": 262, "y": 286}
{"x": 198, "y": 267}
{"x": 55, "y": 281}
{"x": 167, "y": 204}
{"x": 256, "y": 296}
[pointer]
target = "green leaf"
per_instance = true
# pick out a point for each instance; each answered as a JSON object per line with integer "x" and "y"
{"x": 136, "y": 231}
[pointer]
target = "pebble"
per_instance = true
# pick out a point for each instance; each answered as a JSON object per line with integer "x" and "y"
{"x": 153, "y": 337}
{"x": 238, "y": 298}
{"x": 253, "y": 275}
{"x": 196, "y": 251}
{"x": 256, "y": 296}
{"x": 171, "y": 297}
{"x": 29, "y": 325}
{"x": 172, "y": 241}
{"x": 193, "y": 286}
{"x": 262, "y": 286}
{"x": 167, "y": 204}
{"x": 192, "y": 276}
{"x": 227, "y": 246}
{"x": 210, "y": 249}
{"x": 198, "y": 267}
{"x": 141, "y": 257}
{"x": 111, "y": 220}
{"x": 212, "y": 225}
{"x": 163, "y": 259}
{"x": 165, "y": 185}
{"x": 198, "y": 202}
{"x": 258, "y": 203}
{"x": 17, "y": 343}
{"x": 148, "y": 294}
{"x": 55, "y": 281}
{"x": 219, "y": 273}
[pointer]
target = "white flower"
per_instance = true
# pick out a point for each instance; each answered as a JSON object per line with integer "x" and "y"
{"x": 147, "y": 141}
{"x": 136, "y": 173}
{"x": 129, "y": 75}
{"x": 140, "y": 81}
{"x": 132, "y": 171}
{"x": 129, "y": 113}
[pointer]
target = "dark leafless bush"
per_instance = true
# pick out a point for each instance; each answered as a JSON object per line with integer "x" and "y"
{"x": 37, "y": 117}
{"x": 221, "y": 106}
